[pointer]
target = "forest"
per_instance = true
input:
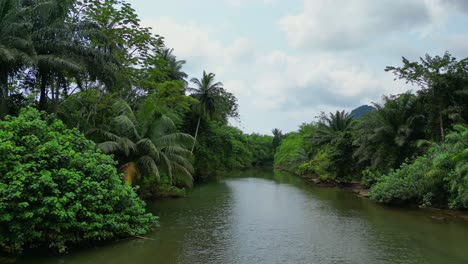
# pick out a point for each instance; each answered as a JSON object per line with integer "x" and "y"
{"x": 97, "y": 114}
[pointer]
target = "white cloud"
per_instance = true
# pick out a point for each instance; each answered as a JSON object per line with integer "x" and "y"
{"x": 199, "y": 45}
{"x": 298, "y": 81}
{"x": 347, "y": 24}
{"x": 241, "y": 3}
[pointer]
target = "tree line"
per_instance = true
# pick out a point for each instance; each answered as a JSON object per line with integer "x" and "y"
{"x": 411, "y": 150}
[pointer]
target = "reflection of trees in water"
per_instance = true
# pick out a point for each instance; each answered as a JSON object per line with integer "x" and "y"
{"x": 209, "y": 233}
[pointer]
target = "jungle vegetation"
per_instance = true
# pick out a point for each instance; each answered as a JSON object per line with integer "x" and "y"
{"x": 412, "y": 148}
{"x": 96, "y": 113}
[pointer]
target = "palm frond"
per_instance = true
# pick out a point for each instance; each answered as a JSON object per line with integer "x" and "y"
{"x": 183, "y": 175}
{"x": 147, "y": 147}
{"x": 124, "y": 124}
{"x": 168, "y": 165}
{"x": 149, "y": 167}
{"x": 109, "y": 147}
{"x": 58, "y": 63}
{"x": 179, "y": 139}
{"x": 123, "y": 108}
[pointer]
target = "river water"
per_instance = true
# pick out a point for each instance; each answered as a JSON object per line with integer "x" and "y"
{"x": 261, "y": 216}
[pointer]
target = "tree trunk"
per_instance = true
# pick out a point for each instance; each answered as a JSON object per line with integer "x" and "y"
{"x": 442, "y": 132}
{"x": 196, "y": 134}
{"x": 3, "y": 94}
{"x": 43, "y": 95}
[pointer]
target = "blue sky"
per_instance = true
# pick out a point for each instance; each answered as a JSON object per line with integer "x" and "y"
{"x": 288, "y": 60}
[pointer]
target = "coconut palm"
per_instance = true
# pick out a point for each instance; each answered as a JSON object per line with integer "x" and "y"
{"x": 15, "y": 46}
{"x": 330, "y": 128}
{"x": 146, "y": 142}
{"x": 207, "y": 91}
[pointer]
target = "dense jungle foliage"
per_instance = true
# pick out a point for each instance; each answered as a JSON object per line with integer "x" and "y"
{"x": 58, "y": 188}
{"x": 411, "y": 149}
{"x": 118, "y": 90}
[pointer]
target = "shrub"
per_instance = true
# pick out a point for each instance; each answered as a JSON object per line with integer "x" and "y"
{"x": 321, "y": 165}
{"x": 402, "y": 185}
{"x": 57, "y": 189}
{"x": 369, "y": 177}
{"x": 291, "y": 152}
{"x": 439, "y": 178}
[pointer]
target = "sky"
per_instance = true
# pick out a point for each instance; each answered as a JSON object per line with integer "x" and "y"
{"x": 286, "y": 61}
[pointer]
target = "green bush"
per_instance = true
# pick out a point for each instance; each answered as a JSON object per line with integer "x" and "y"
{"x": 57, "y": 189}
{"x": 291, "y": 152}
{"x": 305, "y": 168}
{"x": 402, "y": 185}
{"x": 369, "y": 177}
{"x": 320, "y": 165}
{"x": 150, "y": 188}
{"x": 439, "y": 178}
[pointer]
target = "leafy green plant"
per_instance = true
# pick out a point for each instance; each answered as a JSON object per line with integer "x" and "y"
{"x": 369, "y": 177}
{"x": 57, "y": 189}
{"x": 438, "y": 178}
{"x": 321, "y": 165}
{"x": 291, "y": 152}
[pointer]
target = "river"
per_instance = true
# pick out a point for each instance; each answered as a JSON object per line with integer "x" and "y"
{"x": 261, "y": 216}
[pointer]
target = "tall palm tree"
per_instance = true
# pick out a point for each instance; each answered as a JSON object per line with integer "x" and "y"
{"x": 15, "y": 46}
{"x": 207, "y": 91}
{"x": 389, "y": 135}
{"x": 147, "y": 141}
{"x": 63, "y": 44}
{"x": 53, "y": 43}
{"x": 331, "y": 127}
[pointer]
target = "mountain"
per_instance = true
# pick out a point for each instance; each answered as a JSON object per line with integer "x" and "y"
{"x": 361, "y": 111}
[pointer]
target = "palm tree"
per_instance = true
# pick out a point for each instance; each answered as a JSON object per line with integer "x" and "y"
{"x": 207, "y": 92}
{"x": 146, "y": 142}
{"x": 277, "y": 138}
{"x": 388, "y": 135}
{"x": 15, "y": 46}
{"x": 174, "y": 65}
{"x": 330, "y": 128}
{"x": 53, "y": 43}
{"x": 64, "y": 49}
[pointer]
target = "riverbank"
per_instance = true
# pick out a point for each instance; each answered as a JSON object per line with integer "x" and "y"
{"x": 353, "y": 186}
{"x": 439, "y": 214}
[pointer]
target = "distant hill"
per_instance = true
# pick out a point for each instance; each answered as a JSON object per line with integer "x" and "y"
{"x": 361, "y": 111}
